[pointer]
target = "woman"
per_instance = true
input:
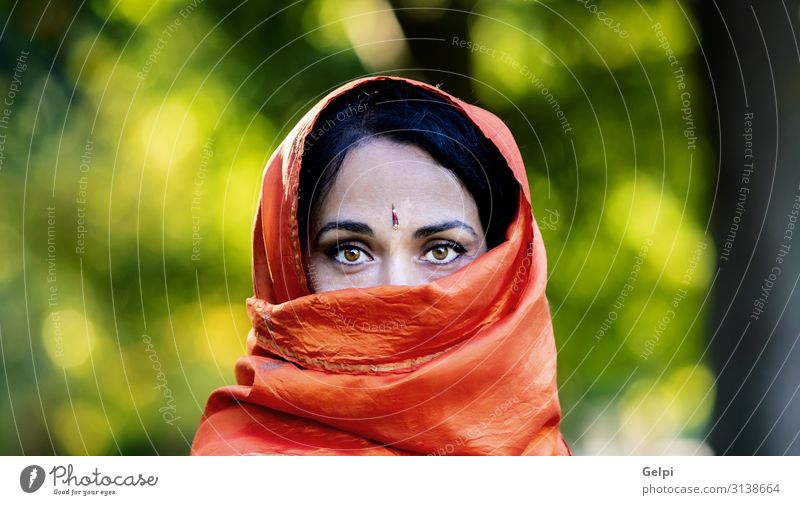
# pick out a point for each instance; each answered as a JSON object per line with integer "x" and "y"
{"x": 399, "y": 283}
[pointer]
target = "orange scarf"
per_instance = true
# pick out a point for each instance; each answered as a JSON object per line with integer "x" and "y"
{"x": 465, "y": 364}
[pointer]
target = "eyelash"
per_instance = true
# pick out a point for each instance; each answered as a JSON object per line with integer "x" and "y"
{"x": 334, "y": 251}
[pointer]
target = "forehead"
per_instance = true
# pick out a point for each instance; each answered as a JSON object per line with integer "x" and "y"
{"x": 379, "y": 173}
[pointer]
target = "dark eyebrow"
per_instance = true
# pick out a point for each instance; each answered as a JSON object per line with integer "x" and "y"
{"x": 427, "y": 231}
{"x": 354, "y": 226}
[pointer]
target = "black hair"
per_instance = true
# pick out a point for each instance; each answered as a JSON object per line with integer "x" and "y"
{"x": 402, "y": 112}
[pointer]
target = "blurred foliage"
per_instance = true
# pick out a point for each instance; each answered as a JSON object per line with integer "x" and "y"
{"x": 143, "y": 128}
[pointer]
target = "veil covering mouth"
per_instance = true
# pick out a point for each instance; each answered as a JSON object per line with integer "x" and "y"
{"x": 462, "y": 365}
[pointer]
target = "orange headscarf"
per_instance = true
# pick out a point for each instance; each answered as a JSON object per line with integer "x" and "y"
{"x": 465, "y": 364}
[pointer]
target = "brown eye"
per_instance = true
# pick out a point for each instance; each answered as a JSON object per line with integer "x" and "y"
{"x": 440, "y": 252}
{"x": 352, "y": 255}
{"x": 349, "y": 255}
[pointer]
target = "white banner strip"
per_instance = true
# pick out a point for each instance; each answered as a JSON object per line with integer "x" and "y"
{"x": 349, "y": 480}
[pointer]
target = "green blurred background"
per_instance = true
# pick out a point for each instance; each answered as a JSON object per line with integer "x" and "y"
{"x": 133, "y": 156}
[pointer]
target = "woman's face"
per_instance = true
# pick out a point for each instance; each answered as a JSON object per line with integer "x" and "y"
{"x": 355, "y": 240}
